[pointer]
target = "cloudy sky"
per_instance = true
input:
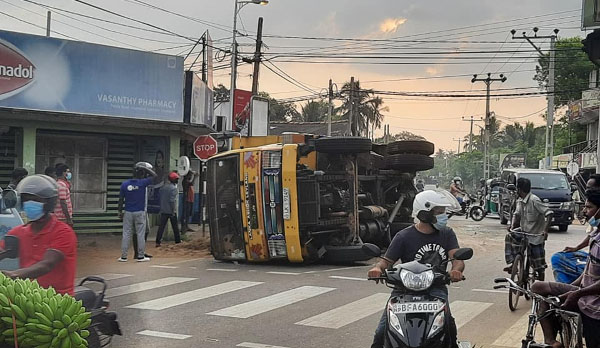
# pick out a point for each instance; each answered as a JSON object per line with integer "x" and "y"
{"x": 397, "y": 46}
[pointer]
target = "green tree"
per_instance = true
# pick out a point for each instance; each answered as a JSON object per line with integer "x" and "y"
{"x": 572, "y": 68}
{"x": 404, "y": 135}
{"x": 221, "y": 94}
{"x": 365, "y": 105}
{"x": 314, "y": 111}
{"x": 280, "y": 111}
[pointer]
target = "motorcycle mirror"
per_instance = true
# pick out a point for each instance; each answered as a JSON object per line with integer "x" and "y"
{"x": 11, "y": 247}
{"x": 463, "y": 254}
{"x": 371, "y": 250}
{"x": 511, "y": 187}
{"x": 9, "y": 197}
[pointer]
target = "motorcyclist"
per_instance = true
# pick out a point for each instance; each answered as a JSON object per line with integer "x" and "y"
{"x": 47, "y": 246}
{"x": 428, "y": 241}
{"x": 457, "y": 191}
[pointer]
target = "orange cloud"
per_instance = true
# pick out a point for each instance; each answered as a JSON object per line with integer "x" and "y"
{"x": 391, "y": 25}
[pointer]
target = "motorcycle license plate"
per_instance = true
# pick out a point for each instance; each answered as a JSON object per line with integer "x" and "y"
{"x": 417, "y": 307}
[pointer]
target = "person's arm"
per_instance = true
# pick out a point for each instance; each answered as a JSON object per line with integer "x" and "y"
{"x": 571, "y": 298}
{"x": 65, "y": 209}
{"x": 391, "y": 256}
{"x": 581, "y": 245}
{"x": 546, "y": 212}
{"x": 173, "y": 200}
{"x": 120, "y": 205}
{"x": 51, "y": 259}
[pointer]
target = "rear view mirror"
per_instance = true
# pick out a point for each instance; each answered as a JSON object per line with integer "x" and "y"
{"x": 463, "y": 254}
{"x": 9, "y": 197}
{"x": 11, "y": 247}
{"x": 511, "y": 187}
{"x": 371, "y": 250}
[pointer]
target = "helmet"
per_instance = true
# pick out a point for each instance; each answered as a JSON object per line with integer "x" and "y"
{"x": 425, "y": 202}
{"x": 41, "y": 186}
{"x": 457, "y": 178}
{"x": 173, "y": 176}
{"x": 141, "y": 168}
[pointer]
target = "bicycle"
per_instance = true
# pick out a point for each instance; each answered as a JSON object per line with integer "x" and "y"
{"x": 522, "y": 272}
{"x": 570, "y": 328}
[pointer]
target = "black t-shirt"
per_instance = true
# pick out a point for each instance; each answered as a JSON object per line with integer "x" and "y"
{"x": 410, "y": 244}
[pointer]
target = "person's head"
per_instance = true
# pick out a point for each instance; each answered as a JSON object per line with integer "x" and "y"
{"x": 593, "y": 182}
{"x": 18, "y": 174}
{"x": 523, "y": 187}
{"x": 430, "y": 207}
{"x": 38, "y": 196}
{"x": 457, "y": 180}
{"x": 63, "y": 171}
{"x": 159, "y": 160}
{"x": 592, "y": 205}
{"x": 174, "y": 177}
{"x": 141, "y": 169}
{"x": 51, "y": 172}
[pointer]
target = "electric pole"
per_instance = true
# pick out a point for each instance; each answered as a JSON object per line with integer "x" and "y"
{"x": 48, "y": 21}
{"x": 351, "y": 111}
{"x": 257, "y": 59}
{"x": 549, "y": 148}
{"x": 471, "y": 132}
{"x": 329, "y": 107}
{"x": 459, "y": 141}
{"x": 486, "y": 137}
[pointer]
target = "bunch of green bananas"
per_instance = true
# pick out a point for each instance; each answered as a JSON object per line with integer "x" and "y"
{"x": 42, "y": 317}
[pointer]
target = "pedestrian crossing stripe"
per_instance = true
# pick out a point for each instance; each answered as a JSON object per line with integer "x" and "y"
{"x": 194, "y": 295}
{"x": 143, "y": 286}
{"x": 464, "y": 311}
{"x": 515, "y": 334}
{"x": 269, "y": 303}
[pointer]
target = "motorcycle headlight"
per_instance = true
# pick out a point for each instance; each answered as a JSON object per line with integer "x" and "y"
{"x": 438, "y": 324}
{"x": 416, "y": 281}
{"x": 567, "y": 206}
{"x": 395, "y": 322}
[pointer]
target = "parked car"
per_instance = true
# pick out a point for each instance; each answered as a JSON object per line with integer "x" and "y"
{"x": 551, "y": 186}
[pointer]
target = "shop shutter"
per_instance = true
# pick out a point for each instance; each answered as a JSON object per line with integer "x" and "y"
{"x": 7, "y": 156}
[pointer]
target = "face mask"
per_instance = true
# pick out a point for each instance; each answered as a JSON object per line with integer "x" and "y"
{"x": 69, "y": 176}
{"x": 442, "y": 220}
{"x": 593, "y": 221}
{"x": 33, "y": 210}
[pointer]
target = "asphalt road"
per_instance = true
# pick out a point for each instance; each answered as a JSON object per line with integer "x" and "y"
{"x": 203, "y": 303}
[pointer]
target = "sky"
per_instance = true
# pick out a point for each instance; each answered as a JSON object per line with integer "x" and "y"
{"x": 425, "y": 36}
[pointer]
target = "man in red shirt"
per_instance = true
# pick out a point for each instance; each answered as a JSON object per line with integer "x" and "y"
{"x": 47, "y": 246}
{"x": 64, "y": 207}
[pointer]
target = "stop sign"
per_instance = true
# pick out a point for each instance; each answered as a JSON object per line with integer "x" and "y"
{"x": 205, "y": 146}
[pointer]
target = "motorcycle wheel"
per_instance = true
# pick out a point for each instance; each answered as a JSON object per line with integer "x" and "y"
{"x": 94, "y": 338}
{"x": 517, "y": 277}
{"x": 477, "y": 213}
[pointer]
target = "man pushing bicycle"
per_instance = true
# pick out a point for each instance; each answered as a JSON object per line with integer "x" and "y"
{"x": 583, "y": 295}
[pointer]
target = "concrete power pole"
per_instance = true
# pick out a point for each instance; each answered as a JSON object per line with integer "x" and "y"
{"x": 459, "y": 141}
{"x": 486, "y": 138}
{"x": 549, "y": 148}
{"x": 48, "y": 21}
{"x": 351, "y": 111}
{"x": 329, "y": 107}
{"x": 257, "y": 57}
{"x": 471, "y": 132}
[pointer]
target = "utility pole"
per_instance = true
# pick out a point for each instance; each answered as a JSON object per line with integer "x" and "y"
{"x": 486, "y": 137}
{"x": 459, "y": 141}
{"x": 48, "y": 21}
{"x": 549, "y": 149}
{"x": 329, "y": 107}
{"x": 471, "y": 132}
{"x": 351, "y": 111}
{"x": 257, "y": 59}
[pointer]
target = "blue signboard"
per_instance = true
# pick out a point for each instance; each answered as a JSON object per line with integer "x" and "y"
{"x": 49, "y": 74}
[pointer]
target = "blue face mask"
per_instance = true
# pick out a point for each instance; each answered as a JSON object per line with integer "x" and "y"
{"x": 442, "y": 220}
{"x": 69, "y": 176}
{"x": 33, "y": 210}
{"x": 594, "y": 222}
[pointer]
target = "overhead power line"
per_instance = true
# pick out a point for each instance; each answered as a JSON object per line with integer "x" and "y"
{"x": 38, "y": 26}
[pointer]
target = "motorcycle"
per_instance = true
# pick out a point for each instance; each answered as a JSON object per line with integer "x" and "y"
{"x": 469, "y": 208}
{"x": 416, "y": 318}
{"x": 104, "y": 323}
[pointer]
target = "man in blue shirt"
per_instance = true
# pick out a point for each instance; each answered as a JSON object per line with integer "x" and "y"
{"x": 133, "y": 192}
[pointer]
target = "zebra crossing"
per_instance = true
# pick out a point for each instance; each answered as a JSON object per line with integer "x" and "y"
{"x": 332, "y": 318}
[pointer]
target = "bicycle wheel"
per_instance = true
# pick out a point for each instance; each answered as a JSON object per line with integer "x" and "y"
{"x": 570, "y": 330}
{"x": 516, "y": 276}
{"x": 529, "y": 277}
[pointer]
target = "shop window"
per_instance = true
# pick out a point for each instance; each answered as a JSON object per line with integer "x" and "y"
{"x": 86, "y": 156}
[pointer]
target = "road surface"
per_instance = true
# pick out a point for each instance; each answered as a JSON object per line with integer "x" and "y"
{"x": 204, "y": 303}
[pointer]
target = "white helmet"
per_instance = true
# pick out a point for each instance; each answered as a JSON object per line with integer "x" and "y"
{"x": 425, "y": 202}
{"x": 457, "y": 178}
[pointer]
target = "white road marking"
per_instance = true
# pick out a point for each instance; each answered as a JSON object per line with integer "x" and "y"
{"x": 349, "y": 278}
{"x": 269, "y": 303}
{"x": 149, "y": 285}
{"x": 222, "y": 269}
{"x": 257, "y": 345}
{"x": 194, "y": 295}
{"x": 515, "y": 334}
{"x": 334, "y": 269}
{"x": 108, "y": 276}
{"x": 464, "y": 311}
{"x": 163, "y": 335}
{"x": 284, "y": 273}
{"x": 164, "y": 266}
{"x": 491, "y": 290}
{"x": 349, "y": 313}
{"x": 182, "y": 261}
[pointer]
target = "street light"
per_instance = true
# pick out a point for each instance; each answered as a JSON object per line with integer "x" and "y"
{"x": 238, "y": 6}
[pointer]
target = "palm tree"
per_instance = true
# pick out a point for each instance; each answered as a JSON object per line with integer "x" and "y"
{"x": 314, "y": 111}
{"x": 366, "y": 106}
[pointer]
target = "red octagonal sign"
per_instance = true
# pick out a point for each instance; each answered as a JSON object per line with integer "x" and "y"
{"x": 205, "y": 146}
